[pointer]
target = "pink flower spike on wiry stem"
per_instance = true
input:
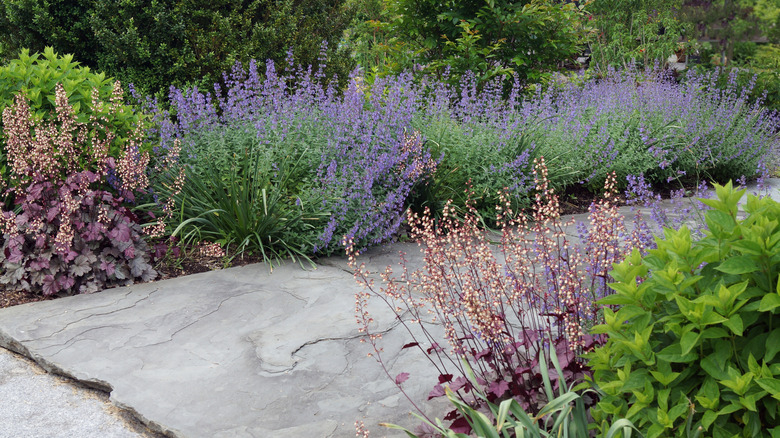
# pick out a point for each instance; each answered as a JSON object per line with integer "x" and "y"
{"x": 66, "y": 233}
{"x": 499, "y": 307}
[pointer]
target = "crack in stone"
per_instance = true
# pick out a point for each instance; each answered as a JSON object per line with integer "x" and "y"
{"x": 76, "y": 338}
{"x": 219, "y": 306}
{"x": 290, "y": 293}
{"x": 98, "y": 314}
{"x": 338, "y": 338}
{"x": 68, "y": 310}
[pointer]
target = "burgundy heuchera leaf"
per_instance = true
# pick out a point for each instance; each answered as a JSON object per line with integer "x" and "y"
{"x": 459, "y": 383}
{"x": 498, "y": 388}
{"x": 461, "y": 425}
{"x": 401, "y": 378}
{"x": 108, "y": 267}
{"x": 444, "y": 378}
{"x": 438, "y": 391}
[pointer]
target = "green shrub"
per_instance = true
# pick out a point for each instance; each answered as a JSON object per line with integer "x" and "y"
{"x": 483, "y": 157}
{"x": 490, "y": 39}
{"x": 37, "y": 75}
{"x": 155, "y": 44}
{"x": 693, "y": 342}
{"x": 766, "y": 57}
{"x": 634, "y": 32}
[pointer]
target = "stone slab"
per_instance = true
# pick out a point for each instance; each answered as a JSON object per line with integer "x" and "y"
{"x": 237, "y": 352}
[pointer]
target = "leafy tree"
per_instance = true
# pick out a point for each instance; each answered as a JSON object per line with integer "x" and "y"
{"x": 727, "y": 22}
{"x": 636, "y": 31}
{"x": 489, "y": 37}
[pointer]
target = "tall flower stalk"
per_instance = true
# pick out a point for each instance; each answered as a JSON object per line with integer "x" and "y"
{"x": 500, "y": 307}
{"x": 69, "y": 234}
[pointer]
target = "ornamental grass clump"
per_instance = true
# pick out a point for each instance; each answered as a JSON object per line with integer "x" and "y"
{"x": 356, "y": 159}
{"x": 500, "y": 307}
{"x": 68, "y": 233}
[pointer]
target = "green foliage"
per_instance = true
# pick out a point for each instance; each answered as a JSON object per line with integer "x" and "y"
{"x": 727, "y": 22}
{"x": 764, "y": 64}
{"x": 36, "y": 24}
{"x": 246, "y": 195}
{"x": 480, "y": 157}
{"x": 760, "y": 83}
{"x": 155, "y": 44}
{"x": 158, "y": 44}
{"x": 372, "y": 42}
{"x": 693, "y": 341}
{"x": 766, "y": 57}
{"x": 635, "y": 31}
{"x": 36, "y": 77}
{"x": 489, "y": 38}
{"x": 634, "y": 134}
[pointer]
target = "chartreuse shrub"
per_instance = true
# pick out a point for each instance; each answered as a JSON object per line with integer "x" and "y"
{"x": 37, "y": 75}
{"x": 64, "y": 233}
{"x": 693, "y": 337}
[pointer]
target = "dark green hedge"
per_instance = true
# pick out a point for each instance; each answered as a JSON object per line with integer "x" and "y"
{"x": 155, "y": 44}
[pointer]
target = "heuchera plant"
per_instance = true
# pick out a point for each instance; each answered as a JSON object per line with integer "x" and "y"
{"x": 500, "y": 313}
{"x": 37, "y": 76}
{"x": 68, "y": 235}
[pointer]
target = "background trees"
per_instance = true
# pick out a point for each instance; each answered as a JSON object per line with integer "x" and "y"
{"x": 155, "y": 44}
{"x": 488, "y": 37}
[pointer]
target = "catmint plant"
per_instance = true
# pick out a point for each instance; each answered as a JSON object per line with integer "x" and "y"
{"x": 629, "y": 122}
{"x": 361, "y": 158}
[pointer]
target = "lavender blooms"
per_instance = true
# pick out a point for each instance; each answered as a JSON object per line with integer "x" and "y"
{"x": 632, "y": 123}
{"x": 369, "y": 158}
{"x": 646, "y": 123}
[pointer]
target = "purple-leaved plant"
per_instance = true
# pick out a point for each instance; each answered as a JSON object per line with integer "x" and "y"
{"x": 71, "y": 235}
{"x": 500, "y": 308}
